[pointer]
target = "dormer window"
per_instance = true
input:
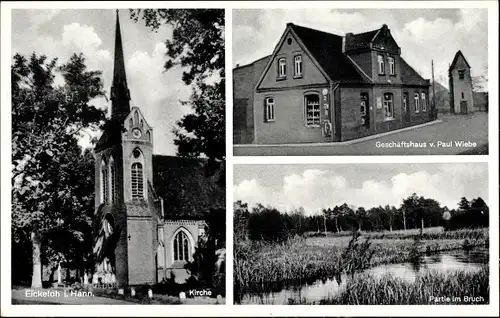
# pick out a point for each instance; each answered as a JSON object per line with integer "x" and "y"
{"x": 381, "y": 65}
{"x": 461, "y": 74}
{"x": 282, "y": 68}
{"x": 392, "y": 65}
{"x": 297, "y": 62}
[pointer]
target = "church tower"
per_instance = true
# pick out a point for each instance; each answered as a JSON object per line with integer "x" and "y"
{"x": 125, "y": 217}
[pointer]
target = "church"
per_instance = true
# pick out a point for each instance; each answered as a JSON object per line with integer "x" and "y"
{"x": 149, "y": 209}
{"x": 319, "y": 87}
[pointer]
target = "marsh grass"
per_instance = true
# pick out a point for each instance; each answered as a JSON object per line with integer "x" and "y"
{"x": 368, "y": 289}
{"x": 270, "y": 267}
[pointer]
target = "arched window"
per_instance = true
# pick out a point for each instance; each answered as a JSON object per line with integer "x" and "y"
{"x": 181, "y": 247}
{"x": 142, "y": 123}
{"x": 136, "y": 117}
{"x": 137, "y": 181}
{"x": 104, "y": 182}
{"x": 137, "y": 175}
{"x": 112, "y": 179}
{"x": 282, "y": 68}
{"x": 148, "y": 135}
{"x": 417, "y": 103}
{"x": 381, "y": 64}
{"x": 131, "y": 123}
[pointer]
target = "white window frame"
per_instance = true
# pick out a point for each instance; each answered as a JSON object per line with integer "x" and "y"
{"x": 424, "y": 102}
{"x": 141, "y": 192}
{"x": 416, "y": 100}
{"x": 282, "y": 67}
{"x": 405, "y": 102}
{"x": 269, "y": 115}
{"x": 388, "y": 105}
{"x": 316, "y": 110}
{"x": 297, "y": 62}
{"x": 392, "y": 65}
{"x": 381, "y": 64}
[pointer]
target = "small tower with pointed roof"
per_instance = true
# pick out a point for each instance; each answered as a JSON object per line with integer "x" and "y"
{"x": 460, "y": 81}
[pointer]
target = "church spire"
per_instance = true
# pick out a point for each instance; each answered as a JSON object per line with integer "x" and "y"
{"x": 120, "y": 95}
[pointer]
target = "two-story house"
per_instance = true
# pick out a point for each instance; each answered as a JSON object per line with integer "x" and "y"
{"x": 321, "y": 87}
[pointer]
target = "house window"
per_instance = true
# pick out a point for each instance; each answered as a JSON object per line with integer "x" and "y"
{"x": 282, "y": 68}
{"x": 461, "y": 74}
{"x": 417, "y": 103}
{"x": 388, "y": 106}
{"x": 298, "y": 65}
{"x": 312, "y": 110}
{"x": 463, "y": 95}
{"x": 181, "y": 247}
{"x": 381, "y": 65}
{"x": 137, "y": 181}
{"x": 392, "y": 66}
{"x": 269, "y": 109}
{"x": 424, "y": 102}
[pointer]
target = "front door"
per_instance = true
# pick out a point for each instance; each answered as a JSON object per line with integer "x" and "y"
{"x": 463, "y": 107}
{"x": 406, "y": 110}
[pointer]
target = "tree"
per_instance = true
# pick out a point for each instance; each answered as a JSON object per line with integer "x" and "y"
{"x": 45, "y": 122}
{"x": 198, "y": 46}
{"x": 464, "y": 204}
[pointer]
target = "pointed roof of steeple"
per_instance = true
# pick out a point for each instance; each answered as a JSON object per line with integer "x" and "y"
{"x": 120, "y": 95}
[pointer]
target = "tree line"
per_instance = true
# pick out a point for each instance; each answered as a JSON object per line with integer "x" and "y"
{"x": 415, "y": 212}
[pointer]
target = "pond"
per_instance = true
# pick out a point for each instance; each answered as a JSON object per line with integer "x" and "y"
{"x": 470, "y": 260}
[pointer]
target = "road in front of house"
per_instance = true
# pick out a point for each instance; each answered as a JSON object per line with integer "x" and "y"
{"x": 450, "y": 137}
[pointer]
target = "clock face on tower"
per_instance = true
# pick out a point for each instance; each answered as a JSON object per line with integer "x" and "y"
{"x": 136, "y": 132}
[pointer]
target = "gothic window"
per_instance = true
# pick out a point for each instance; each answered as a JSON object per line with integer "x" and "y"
{"x": 269, "y": 109}
{"x": 112, "y": 180}
{"x": 181, "y": 247}
{"x": 142, "y": 123}
{"x": 104, "y": 182}
{"x": 312, "y": 109}
{"x": 131, "y": 123}
{"x": 297, "y": 65}
{"x": 137, "y": 181}
{"x": 136, "y": 117}
{"x": 388, "y": 106}
{"x": 148, "y": 135}
{"x": 282, "y": 68}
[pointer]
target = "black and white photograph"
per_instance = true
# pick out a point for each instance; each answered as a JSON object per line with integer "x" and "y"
{"x": 361, "y": 234}
{"x": 360, "y": 82}
{"x": 118, "y": 156}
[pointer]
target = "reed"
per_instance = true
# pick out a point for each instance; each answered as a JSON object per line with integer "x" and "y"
{"x": 453, "y": 288}
{"x": 266, "y": 267}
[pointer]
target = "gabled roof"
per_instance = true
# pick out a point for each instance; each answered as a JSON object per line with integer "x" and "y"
{"x": 326, "y": 49}
{"x": 360, "y": 40}
{"x": 185, "y": 185}
{"x": 410, "y": 77}
{"x": 455, "y": 59}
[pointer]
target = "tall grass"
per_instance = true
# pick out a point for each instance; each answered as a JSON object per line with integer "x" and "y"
{"x": 267, "y": 267}
{"x": 448, "y": 288}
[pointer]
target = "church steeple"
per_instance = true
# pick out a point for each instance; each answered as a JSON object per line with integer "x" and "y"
{"x": 120, "y": 95}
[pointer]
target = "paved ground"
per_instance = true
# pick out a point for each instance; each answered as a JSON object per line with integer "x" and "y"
{"x": 453, "y": 128}
{"x": 59, "y": 297}
{"x": 27, "y": 297}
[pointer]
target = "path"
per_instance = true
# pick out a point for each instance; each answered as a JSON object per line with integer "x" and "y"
{"x": 453, "y": 128}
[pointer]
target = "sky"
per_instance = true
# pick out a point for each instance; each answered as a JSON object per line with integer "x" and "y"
{"x": 422, "y": 35}
{"x": 60, "y": 33}
{"x": 314, "y": 187}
